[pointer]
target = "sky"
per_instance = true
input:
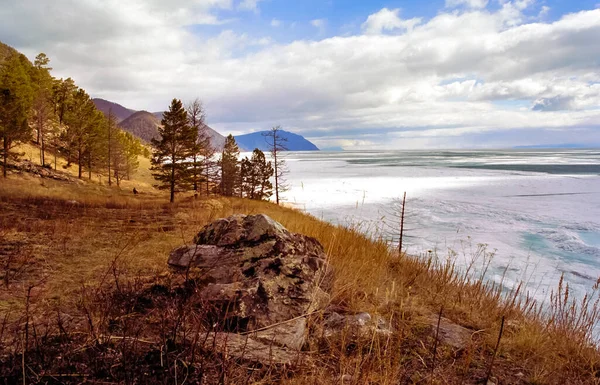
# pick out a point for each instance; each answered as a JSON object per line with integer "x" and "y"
{"x": 355, "y": 74}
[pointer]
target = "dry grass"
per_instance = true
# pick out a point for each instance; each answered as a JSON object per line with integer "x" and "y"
{"x": 109, "y": 237}
{"x": 142, "y": 179}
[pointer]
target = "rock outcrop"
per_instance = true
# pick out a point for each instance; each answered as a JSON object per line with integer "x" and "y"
{"x": 264, "y": 284}
{"x": 262, "y": 280}
{"x": 40, "y": 171}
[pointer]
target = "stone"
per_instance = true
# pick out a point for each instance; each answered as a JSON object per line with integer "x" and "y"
{"x": 451, "y": 334}
{"x": 358, "y": 325}
{"x": 261, "y": 279}
{"x": 246, "y": 348}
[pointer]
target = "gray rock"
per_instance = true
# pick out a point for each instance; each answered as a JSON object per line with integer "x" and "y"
{"x": 451, "y": 334}
{"x": 359, "y": 325}
{"x": 264, "y": 279}
{"x": 249, "y": 349}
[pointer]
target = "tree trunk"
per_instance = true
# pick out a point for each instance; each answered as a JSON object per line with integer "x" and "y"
{"x": 43, "y": 151}
{"x": 173, "y": 181}
{"x": 79, "y": 161}
{"x": 195, "y": 174}
{"x": 90, "y": 166}
{"x": 276, "y": 173}
{"x": 207, "y": 182}
{"x": 4, "y": 155}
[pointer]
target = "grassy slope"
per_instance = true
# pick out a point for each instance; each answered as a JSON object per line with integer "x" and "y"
{"x": 143, "y": 180}
{"x": 63, "y": 247}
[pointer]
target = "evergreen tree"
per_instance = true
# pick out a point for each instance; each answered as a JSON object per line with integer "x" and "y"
{"x": 16, "y": 97}
{"x": 42, "y": 102}
{"x": 170, "y": 161}
{"x": 196, "y": 117}
{"x": 256, "y": 174}
{"x": 95, "y": 146}
{"x": 264, "y": 171}
{"x": 230, "y": 168}
{"x": 111, "y": 141}
{"x": 81, "y": 119}
{"x": 133, "y": 149}
{"x": 63, "y": 91}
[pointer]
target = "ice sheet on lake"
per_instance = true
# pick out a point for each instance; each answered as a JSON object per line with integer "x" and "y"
{"x": 542, "y": 223}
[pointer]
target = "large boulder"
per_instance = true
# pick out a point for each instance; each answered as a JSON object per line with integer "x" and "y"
{"x": 262, "y": 280}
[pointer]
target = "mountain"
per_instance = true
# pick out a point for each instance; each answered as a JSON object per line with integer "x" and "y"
{"x": 120, "y": 112}
{"x": 294, "y": 142}
{"x": 217, "y": 140}
{"x": 142, "y": 124}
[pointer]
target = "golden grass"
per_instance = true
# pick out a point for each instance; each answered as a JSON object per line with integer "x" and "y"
{"x": 142, "y": 180}
{"x": 69, "y": 245}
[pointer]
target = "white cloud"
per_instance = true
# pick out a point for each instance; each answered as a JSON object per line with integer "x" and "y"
{"x": 467, "y": 3}
{"x": 276, "y": 23}
{"x": 455, "y": 77}
{"x": 249, "y": 5}
{"x": 319, "y": 24}
{"x": 388, "y": 20}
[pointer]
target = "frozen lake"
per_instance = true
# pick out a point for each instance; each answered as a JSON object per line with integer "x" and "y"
{"x": 540, "y": 210}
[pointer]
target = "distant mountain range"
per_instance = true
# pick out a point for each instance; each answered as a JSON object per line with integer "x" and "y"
{"x": 121, "y": 113}
{"x": 293, "y": 142}
{"x": 144, "y": 125}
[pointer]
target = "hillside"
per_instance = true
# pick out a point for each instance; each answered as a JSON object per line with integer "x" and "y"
{"x": 217, "y": 140}
{"x": 91, "y": 283}
{"x": 120, "y": 112}
{"x": 142, "y": 124}
{"x": 294, "y": 142}
{"x": 5, "y": 51}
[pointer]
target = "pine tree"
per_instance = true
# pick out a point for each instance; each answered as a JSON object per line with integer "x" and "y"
{"x": 81, "y": 119}
{"x": 170, "y": 160}
{"x": 248, "y": 178}
{"x": 230, "y": 168}
{"x": 196, "y": 118}
{"x": 16, "y": 96}
{"x": 42, "y": 102}
{"x": 62, "y": 97}
{"x": 111, "y": 141}
{"x": 133, "y": 149}
{"x": 264, "y": 172}
{"x": 256, "y": 174}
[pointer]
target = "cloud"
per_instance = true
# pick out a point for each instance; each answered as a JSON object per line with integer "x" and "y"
{"x": 320, "y": 24}
{"x": 249, "y": 5}
{"x": 467, "y": 3}
{"x": 556, "y": 103}
{"x": 276, "y": 23}
{"x": 455, "y": 78}
{"x": 387, "y": 20}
